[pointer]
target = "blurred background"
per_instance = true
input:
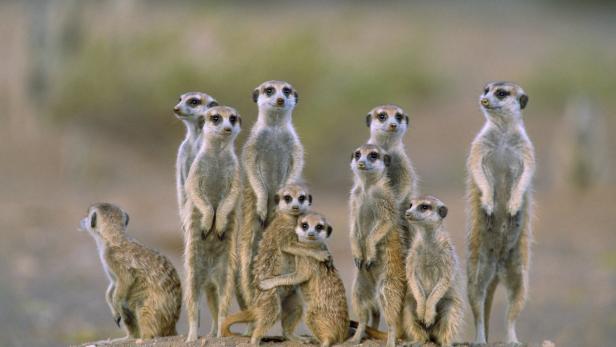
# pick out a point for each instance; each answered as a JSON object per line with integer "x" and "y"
{"x": 86, "y": 96}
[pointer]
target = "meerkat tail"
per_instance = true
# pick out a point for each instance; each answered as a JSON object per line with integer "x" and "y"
{"x": 245, "y": 316}
{"x": 371, "y": 332}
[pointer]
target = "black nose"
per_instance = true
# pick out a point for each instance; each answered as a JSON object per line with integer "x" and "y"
{"x": 228, "y": 130}
{"x": 280, "y": 101}
{"x": 176, "y": 108}
{"x": 393, "y": 125}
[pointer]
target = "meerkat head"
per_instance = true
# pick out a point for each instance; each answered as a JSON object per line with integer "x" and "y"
{"x": 426, "y": 210}
{"x": 105, "y": 221}
{"x": 387, "y": 121}
{"x": 275, "y": 96}
{"x": 220, "y": 122}
{"x": 369, "y": 160}
{"x": 503, "y": 98}
{"x": 313, "y": 228}
{"x": 293, "y": 199}
{"x": 193, "y": 103}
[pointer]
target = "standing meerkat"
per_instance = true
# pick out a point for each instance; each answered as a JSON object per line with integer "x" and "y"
{"x": 327, "y": 313}
{"x": 432, "y": 274}
{"x": 144, "y": 292}
{"x": 500, "y": 167}
{"x": 188, "y": 108}
{"x": 212, "y": 188}
{"x": 375, "y": 243}
{"x": 388, "y": 124}
{"x": 275, "y": 257}
{"x": 273, "y": 156}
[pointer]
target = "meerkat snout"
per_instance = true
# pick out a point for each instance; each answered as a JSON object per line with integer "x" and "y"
{"x": 280, "y": 101}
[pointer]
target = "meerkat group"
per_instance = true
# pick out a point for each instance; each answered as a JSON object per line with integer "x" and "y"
{"x": 249, "y": 230}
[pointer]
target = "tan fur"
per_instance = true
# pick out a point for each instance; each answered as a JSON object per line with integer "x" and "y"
{"x": 501, "y": 165}
{"x": 273, "y": 156}
{"x": 144, "y": 293}
{"x": 432, "y": 271}
{"x": 213, "y": 188}
{"x": 274, "y": 257}
{"x": 375, "y": 244}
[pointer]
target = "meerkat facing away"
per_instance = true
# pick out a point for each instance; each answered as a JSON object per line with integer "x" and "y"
{"x": 187, "y": 109}
{"x": 144, "y": 292}
{"x": 432, "y": 274}
{"x": 213, "y": 189}
{"x": 327, "y": 313}
{"x": 274, "y": 257}
{"x": 375, "y": 243}
{"x": 273, "y": 156}
{"x": 500, "y": 166}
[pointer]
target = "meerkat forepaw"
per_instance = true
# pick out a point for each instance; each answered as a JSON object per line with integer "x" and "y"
{"x": 204, "y": 234}
{"x": 513, "y": 207}
{"x": 421, "y": 311}
{"x": 359, "y": 262}
{"x": 221, "y": 235}
{"x": 488, "y": 207}
{"x": 429, "y": 317}
{"x": 265, "y": 285}
{"x": 117, "y": 319}
{"x": 370, "y": 262}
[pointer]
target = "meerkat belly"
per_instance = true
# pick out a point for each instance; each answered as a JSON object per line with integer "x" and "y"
{"x": 394, "y": 167}
{"x": 274, "y": 163}
{"x": 504, "y": 166}
{"x": 429, "y": 269}
{"x": 215, "y": 180}
{"x": 367, "y": 219}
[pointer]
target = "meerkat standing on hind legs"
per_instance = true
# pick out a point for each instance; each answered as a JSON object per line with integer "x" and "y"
{"x": 212, "y": 189}
{"x": 432, "y": 271}
{"x": 144, "y": 293}
{"x": 275, "y": 256}
{"x": 375, "y": 243}
{"x": 188, "y": 108}
{"x": 272, "y": 157}
{"x": 501, "y": 165}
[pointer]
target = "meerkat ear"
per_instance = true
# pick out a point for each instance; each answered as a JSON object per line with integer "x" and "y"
{"x": 442, "y": 211}
{"x": 309, "y": 199}
{"x": 127, "y": 219}
{"x": 212, "y": 103}
{"x": 406, "y": 116}
{"x": 296, "y": 97}
{"x": 93, "y": 220}
{"x": 200, "y": 122}
{"x": 276, "y": 199}
{"x": 523, "y": 101}
{"x": 387, "y": 160}
{"x": 255, "y": 95}
{"x": 368, "y": 119}
{"x": 239, "y": 120}
{"x": 329, "y": 230}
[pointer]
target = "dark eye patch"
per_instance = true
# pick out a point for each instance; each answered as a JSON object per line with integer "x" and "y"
{"x": 305, "y": 226}
{"x": 232, "y": 119}
{"x": 212, "y": 104}
{"x": 486, "y": 90}
{"x": 501, "y": 93}
{"x": 269, "y": 91}
{"x": 425, "y": 207}
{"x": 286, "y": 91}
{"x": 399, "y": 117}
{"x": 374, "y": 155}
{"x": 319, "y": 227}
{"x": 194, "y": 101}
{"x": 302, "y": 198}
{"x": 288, "y": 198}
{"x": 215, "y": 118}
{"x": 382, "y": 116}
{"x": 357, "y": 155}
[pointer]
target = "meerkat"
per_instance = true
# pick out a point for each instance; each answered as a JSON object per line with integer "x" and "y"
{"x": 273, "y": 156}
{"x": 375, "y": 243}
{"x": 212, "y": 188}
{"x": 188, "y": 107}
{"x": 500, "y": 167}
{"x": 144, "y": 292}
{"x": 327, "y": 313}
{"x": 432, "y": 273}
{"x": 274, "y": 257}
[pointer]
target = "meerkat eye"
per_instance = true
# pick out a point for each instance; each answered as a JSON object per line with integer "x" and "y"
{"x": 411, "y": 205}
{"x": 180, "y": 99}
{"x": 319, "y": 227}
{"x": 194, "y": 101}
{"x": 357, "y": 155}
{"x": 305, "y": 226}
{"x": 212, "y": 104}
{"x": 233, "y": 119}
{"x": 287, "y": 198}
{"x": 302, "y": 198}
{"x": 215, "y": 118}
{"x": 501, "y": 93}
{"x": 382, "y": 116}
{"x": 424, "y": 207}
{"x": 374, "y": 155}
{"x": 286, "y": 91}
{"x": 269, "y": 91}
{"x": 399, "y": 117}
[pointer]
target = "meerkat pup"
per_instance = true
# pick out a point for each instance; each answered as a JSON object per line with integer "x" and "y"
{"x": 327, "y": 313}
{"x": 188, "y": 108}
{"x": 500, "y": 167}
{"x": 273, "y": 156}
{"x": 275, "y": 257}
{"x": 432, "y": 272}
{"x": 212, "y": 188}
{"x": 144, "y": 292}
{"x": 375, "y": 243}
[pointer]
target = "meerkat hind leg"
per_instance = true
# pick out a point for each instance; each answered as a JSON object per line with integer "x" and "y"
{"x": 478, "y": 281}
{"x": 488, "y": 305}
{"x": 376, "y": 318}
{"x": 291, "y": 315}
{"x": 213, "y": 305}
{"x": 516, "y": 283}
